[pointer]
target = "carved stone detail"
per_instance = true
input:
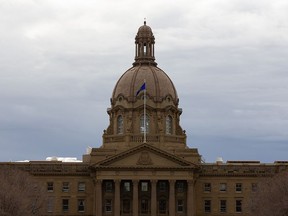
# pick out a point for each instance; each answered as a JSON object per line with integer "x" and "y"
{"x": 144, "y": 159}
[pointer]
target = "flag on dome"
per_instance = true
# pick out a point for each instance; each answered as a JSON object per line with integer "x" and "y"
{"x": 143, "y": 87}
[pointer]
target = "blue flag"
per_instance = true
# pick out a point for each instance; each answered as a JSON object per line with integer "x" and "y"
{"x": 143, "y": 87}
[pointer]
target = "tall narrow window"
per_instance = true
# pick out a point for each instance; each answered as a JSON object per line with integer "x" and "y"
{"x": 238, "y": 206}
{"x": 50, "y": 186}
{"x": 162, "y": 186}
{"x": 180, "y": 205}
{"x": 126, "y": 206}
{"x": 127, "y": 186}
{"x": 145, "y": 49}
{"x": 207, "y": 206}
{"x": 108, "y": 205}
{"x": 147, "y": 121}
{"x": 223, "y": 206}
{"x": 65, "y": 205}
{"x": 254, "y": 187}
{"x": 162, "y": 206}
{"x": 169, "y": 124}
{"x": 108, "y": 186}
{"x": 144, "y": 186}
{"x": 50, "y": 204}
{"x": 81, "y": 205}
{"x": 120, "y": 125}
{"x": 144, "y": 206}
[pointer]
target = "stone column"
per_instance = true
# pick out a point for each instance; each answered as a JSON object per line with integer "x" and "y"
{"x": 172, "y": 197}
{"x": 153, "y": 197}
{"x": 190, "y": 198}
{"x": 135, "y": 197}
{"x": 117, "y": 198}
{"x": 98, "y": 197}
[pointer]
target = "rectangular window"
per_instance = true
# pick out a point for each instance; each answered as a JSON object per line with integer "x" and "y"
{"x": 127, "y": 186}
{"x": 81, "y": 205}
{"x": 180, "y": 205}
{"x": 180, "y": 186}
{"x": 81, "y": 187}
{"x": 126, "y": 206}
{"x": 50, "y": 204}
{"x": 223, "y": 187}
{"x": 254, "y": 187}
{"x": 108, "y": 205}
{"x": 238, "y": 187}
{"x": 207, "y": 187}
{"x": 65, "y": 186}
{"x": 50, "y": 186}
{"x": 238, "y": 206}
{"x": 65, "y": 205}
{"x": 144, "y": 186}
{"x": 162, "y": 206}
{"x": 144, "y": 206}
{"x": 162, "y": 186}
{"x": 108, "y": 186}
{"x": 223, "y": 207}
{"x": 207, "y": 206}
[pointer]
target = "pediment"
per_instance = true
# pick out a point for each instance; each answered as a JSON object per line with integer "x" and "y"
{"x": 145, "y": 156}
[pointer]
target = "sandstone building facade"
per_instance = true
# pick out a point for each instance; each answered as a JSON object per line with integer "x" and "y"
{"x": 144, "y": 166}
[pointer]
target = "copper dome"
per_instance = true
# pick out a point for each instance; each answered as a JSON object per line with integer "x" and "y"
{"x": 158, "y": 84}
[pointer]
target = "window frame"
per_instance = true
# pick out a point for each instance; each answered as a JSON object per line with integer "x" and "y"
{"x": 238, "y": 206}
{"x": 223, "y": 206}
{"x": 180, "y": 206}
{"x": 169, "y": 125}
{"x": 50, "y": 186}
{"x": 207, "y": 206}
{"x": 223, "y": 187}
{"x": 144, "y": 186}
{"x": 207, "y": 187}
{"x": 65, "y": 186}
{"x": 120, "y": 124}
{"x": 142, "y": 123}
{"x": 108, "y": 205}
{"x": 65, "y": 205}
{"x": 81, "y": 204}
{"x": 238, "y": 187}
{"x": 81, "y": 186}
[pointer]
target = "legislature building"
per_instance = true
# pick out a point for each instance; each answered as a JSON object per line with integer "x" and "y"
{"x": 144, "y": 166}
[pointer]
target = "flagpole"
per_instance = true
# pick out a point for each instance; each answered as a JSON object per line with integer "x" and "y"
{"x": 145, "y": 112}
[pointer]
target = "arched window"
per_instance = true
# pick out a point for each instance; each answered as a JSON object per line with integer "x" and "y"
{"x": 120, "y": 125}
{"x": 147, "y": 120}
{"x": 169, "y": 122}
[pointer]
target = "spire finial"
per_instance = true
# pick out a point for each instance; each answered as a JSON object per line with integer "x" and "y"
{"x": 145, "y": 21}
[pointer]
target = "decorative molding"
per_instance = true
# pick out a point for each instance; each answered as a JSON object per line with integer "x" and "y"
{"x": 145, "y": 159}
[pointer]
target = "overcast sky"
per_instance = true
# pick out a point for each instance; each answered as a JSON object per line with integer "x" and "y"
{"x": 60, "y": 60}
